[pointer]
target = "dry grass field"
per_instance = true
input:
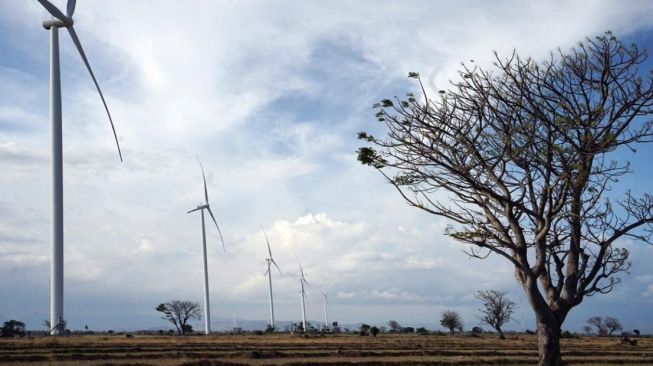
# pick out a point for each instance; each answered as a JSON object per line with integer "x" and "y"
{"x": 284, "y": 349}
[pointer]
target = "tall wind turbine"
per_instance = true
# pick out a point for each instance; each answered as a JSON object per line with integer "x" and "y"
{"x": 326, "y": 314}
{"x": 302, "y": 294}
{"x": 270, "y": 261}
{"x": 201, "y": 208}
{"x": 61, "y": 20}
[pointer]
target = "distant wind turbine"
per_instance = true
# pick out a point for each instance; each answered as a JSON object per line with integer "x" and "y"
{"x": 326, "y": 303}
{"x": 201, "y": 208}
{"x": 61, "y": 20}
{"x": 302, "y": 294}
{"x": 270, "y": 261}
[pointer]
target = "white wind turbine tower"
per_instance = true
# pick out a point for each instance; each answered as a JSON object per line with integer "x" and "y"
{"x": 235, "y": 320}
{"x": 326, "y": 314}
{"x": 270, "y": 261}
{"x": 201, "y": 208}
{"x": 61, "y": 20}
{"x": 302, "y": 294}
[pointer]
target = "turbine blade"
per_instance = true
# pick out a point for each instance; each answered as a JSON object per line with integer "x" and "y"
{"x": 268, "y": 241}
{"x": 206, "y": 192}
{"x": 266, "y": 272}
{"x": 55, "y": 11}
{"x": 301, "y": 270}
{"x": 218, "y": 227}
{"x": 275, "y": 264}
{"x": 70, "y": 8}
{"x": 73, "y": 35}
{"x": 193, "y": 210}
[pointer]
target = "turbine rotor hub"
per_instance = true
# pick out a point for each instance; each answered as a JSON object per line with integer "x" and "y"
{"x": 49, "y": 23}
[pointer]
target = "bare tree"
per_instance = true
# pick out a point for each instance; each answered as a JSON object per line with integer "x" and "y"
{"x": 394, "y": 326}
{"x": 598, "y": 323}
{"x": 451, "y": 320}
{"x": 612, "y": 325}
{"x": 497, "y": 309}
{"x": 587, "y": 330}
{"x": 521, "y": 163}
{"x": 179, "y": 313}
{"x": 61, "y": 325}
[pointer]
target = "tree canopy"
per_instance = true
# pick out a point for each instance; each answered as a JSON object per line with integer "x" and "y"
{"x": 451, "y": 320}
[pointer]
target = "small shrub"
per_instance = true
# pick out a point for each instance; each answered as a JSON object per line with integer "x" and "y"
{"x": 374, "y": 331}
{"x": 364, "y": 329}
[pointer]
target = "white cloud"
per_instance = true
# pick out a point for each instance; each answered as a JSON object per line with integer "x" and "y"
{"x": 345, "y": 295}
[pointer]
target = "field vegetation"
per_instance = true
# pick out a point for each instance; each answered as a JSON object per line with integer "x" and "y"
{"x": 289, "y": 349}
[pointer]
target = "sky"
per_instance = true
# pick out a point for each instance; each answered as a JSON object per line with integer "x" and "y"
{"x": 270, "y": 95}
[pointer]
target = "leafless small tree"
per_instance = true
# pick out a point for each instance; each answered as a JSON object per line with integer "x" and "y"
{"x": 612, "y": 325}
{"x": 451, "y": 320}
{"x": 497, "y": 309}
{"x": 61, "y": 325}
{"x": 598, "y": 323}
{"x": 521, "y": 162}
{"x": 587, "y": 330}
{"x": 179, "y": 313}
{"x": 394, "y": 325}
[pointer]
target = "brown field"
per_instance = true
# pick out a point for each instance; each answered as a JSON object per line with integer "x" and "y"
{"x": 284, "y": 349}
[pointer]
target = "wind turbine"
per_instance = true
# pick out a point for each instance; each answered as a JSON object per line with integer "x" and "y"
{"x": 270, "y": 261}
{"x": 302, "y": 294}
{"x": 201, "y": 208}
{"x": 235, "y": 320}
{"x": 61, "y": 20}
{"x": 326, "y": 314}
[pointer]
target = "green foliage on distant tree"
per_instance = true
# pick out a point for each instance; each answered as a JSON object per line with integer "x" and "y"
{"x": 374, "y": 331}
{"x": 12, "y": 328}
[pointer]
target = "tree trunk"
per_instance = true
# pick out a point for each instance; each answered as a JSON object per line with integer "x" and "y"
{"x": 501, "y": 336}
{"x": 548, "y": 341}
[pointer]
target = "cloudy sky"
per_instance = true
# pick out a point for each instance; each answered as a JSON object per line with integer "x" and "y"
{"x": 270, "y": 95}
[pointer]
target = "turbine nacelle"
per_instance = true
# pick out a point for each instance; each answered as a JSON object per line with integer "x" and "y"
{"x": 269, "y": 259}
{"x": 61, "y": 20}
{"x": 49, "y": 23}
{"x": 206, "y": 205}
